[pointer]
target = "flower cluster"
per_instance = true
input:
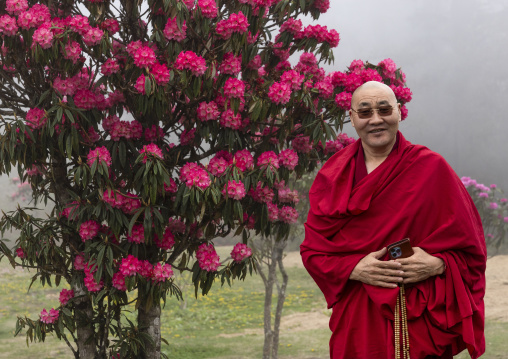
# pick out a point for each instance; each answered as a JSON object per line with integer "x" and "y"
{"x": 150, "y": 151}
{"x": 137, "y": 234}
{"x": 302, "y": 144}
{"x": 293, "y": 26}
{"x": 343, "y": 100}
{"x": 194, "y": 175}
{"x": 126, "y": 129}
{"x": 110, "y": 25}
{"x": 188, "y": 60}
{"x": 234, "y": 189}
{"x": 273, "y": 212}
{"x": 240, "y": 252}
{"x": 207, "y": 257}
{"x": 160, "y": 73}
{"x": 167, "y": 241}
{"x": 321, "y": 34}
{"x": 153, "y": 133}
{"x": 72, "y": 51}
{"x": 187, "y": 137}
{"x": 127, "y": 203}
{"x": 93, "y": 36}
{"x": 280, "y": 92}
{"x": 88, "y": 230}
{"x": 20, "y": 253}
{"x": 288, "y": 158}
{"x": 234, "y": 88}
{"x": 111, "y": 66}
{"x": 8, "y": 25}
{"x": 16, "y": 7}
{"x": 36, "y": 118}
{"x": 229, "y": 119}
{"x": 268, "y": 159}
{"x": 236, "y": 23}
{"x": 261, "y": 193}
{"x": 231, "y": 64}
{"x": 161, "y": 272}
{"x": 208, "y": 8}
{"x": 101, "y": 154}
{"x": 49, "y": 317}
{"x": 243, "y": 160}
{"x": 65, "y": 296}
{"x": 172, "y": 32}
{"x": 288, "y": 214}
{"x": 90, "y": 282}
{"x": 208, "y": 111}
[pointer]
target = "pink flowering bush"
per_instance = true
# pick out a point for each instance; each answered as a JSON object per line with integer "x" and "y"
{"x": 240, "y": 252}
{"x": 66, "y": 295}
{"x": 150, "y": 133}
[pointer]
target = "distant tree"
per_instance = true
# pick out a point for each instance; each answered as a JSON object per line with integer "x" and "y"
{"x": 93, "y": 93}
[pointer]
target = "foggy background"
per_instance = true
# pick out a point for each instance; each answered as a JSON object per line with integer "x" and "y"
{"x": 454, "y": 54}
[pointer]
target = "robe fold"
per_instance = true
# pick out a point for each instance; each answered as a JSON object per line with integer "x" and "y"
{"x": 414, "y": 193}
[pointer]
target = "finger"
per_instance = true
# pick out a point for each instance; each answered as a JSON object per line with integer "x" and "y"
{"x": 389, "y": 279}
{"x": 387, "y": 264}
{"x": 378, "y": 254}
{"x": 385, "y": 285}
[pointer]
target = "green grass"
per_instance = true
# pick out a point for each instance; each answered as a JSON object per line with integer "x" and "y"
{"x": 206, "y": 327}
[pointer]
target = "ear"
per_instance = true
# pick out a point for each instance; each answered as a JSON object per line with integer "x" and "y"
{"x": 400, "y": 113}
{"x": 351, "y": 118}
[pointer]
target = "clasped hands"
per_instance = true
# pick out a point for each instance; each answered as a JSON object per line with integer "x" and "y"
{"x": 387, "y": 274}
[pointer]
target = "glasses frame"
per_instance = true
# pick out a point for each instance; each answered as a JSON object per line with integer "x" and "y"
{"x": 371, "y": 111}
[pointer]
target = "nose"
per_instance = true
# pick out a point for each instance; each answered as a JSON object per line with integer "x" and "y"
{"x": 375, "y": 118}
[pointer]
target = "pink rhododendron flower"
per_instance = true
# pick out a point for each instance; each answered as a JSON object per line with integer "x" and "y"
{"x": 288, "y": 214}
{"x": 208, "y": 8}
{"x": 172, "y": 32}
{"x": 153, "y": 133}
{"x": 140, "y": 84}
{"x": 144, "y": 57}
{"x": 168, "y": 240}
{"x": 16, "y": 7}
{"x": 49, "y": 317}
{"x": 403, "y": 94}
{"x": 234, "y": 189}
{"x": 208, "y": 258}
{"x": 65, "y": 296}
{"x": 322, "y": 5}
{"x": 293, "y": 78}
{"x": 234, "y": 88}
{"x": 110, "y": 67}
{"x": 333, "y": 146}
{"x": 161, "y": 272}
{"x": 100, "y": 153}
{"x": 187, "y": 137}
{"x": 65, "y": 87}
{"x": 129, "y": 266}
{"x": 36, "y": 118}
{"x": 88, "y": 99}
{"x": 160, "y": 73}
{"x": 229, "y": 119}
{"x": 236, "y": 23}
{"x": 280, "y": 93}
{"x": 240, "y": 252}
{"x": 273, "y": 212}
{"x": 188, "y": 60}
{"x": 302, "y": 144}
{"x": 151, "y": 150}
{"x": 249, "y": 221}
{"x": 324, "y": 87}
{"x": 268, "y": 159}
{"x": 137, "y": 235}
{"x": 118, "y": 281}
{"x": 126, "y": 129}
{"x": 231, "y": 64}
{"x": 93, "y": 36}
{"x": 208, "y": 111}
{"x": 403, "y": 112}
{"x": 493, "y": 205}
{"x": 261, "y": 193}
{"x": 79, "y": 262}
{"x": 370, "y": 75}
{"x": 192, "y": 174}
{"x": 343, "y": 100}
{"x": 43, "y": 36}
{"x": 288, "y": 158}
{"x": 110, "y": 25}
{"x": 90, "y": 282}
{"x": 176, "y": 225}
{"x": 293, "y": 26}
{"x": 8, "y": 25}
{"x": 20, "y": 253}
{"x": 218, "y": 165}
{"x": 79, "y": 24}
{"x": 72, "y": 51}
{"x": 88, "y": 230}
{"x": 483, "y": 195}
{"x": 243, "y": 160}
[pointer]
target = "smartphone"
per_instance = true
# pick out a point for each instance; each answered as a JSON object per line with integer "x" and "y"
{"x": 400, "y": 249}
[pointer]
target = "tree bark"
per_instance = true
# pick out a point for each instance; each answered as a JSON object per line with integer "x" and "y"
{"x": 86, "y": 349}
{"x": 281, "y": 297}
{"x": 149, "y": 322}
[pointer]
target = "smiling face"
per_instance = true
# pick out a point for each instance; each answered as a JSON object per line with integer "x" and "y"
{"x": 377, "y": 132}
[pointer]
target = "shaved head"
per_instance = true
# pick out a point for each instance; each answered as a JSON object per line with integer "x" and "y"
{"x": 370, "y": 85}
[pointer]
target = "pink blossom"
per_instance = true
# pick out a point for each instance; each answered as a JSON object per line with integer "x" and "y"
{"x": 66, "y": 295}
{"x": 8, "y": 25}
{"x": 288, "y": 158}
{"x": 129, "y": 266}
{"x": 273, "y": 212}
{"x": 137, "y": 235}
{"x": 79, "y": 262}
{"x": 293, "y": 78}
{"x": 160, "y": 73}
{"x": 88, "y": 99}
{"x": 370, "y": 75}
{"x": 168, "y": 240}
{"x": 93, "y": 36}
{"x": 101, "y": 154}
{"x": 231, "y": 64}
{"x": 322, "y": 5}
{"x": 51, "y": 317}
{"x": 88, "y": 230}
{"x": 255, "y": 63}
{"x": 483, "y": 195}
{"x": 113, "y": 198}
{"x": 403, "y": 94}
{"x": 207, "y": 111}
{"x": 403, "y": 112}
{"x": 176, "y": 225}
{"x": 133, "y": 46}
{"x": 505, "y": 219}
{"x": 151, "y": 151}
{"x": 153, "y": 133}
{"x": 268, "y": 159}
{"x": 188, "y": 3}
{"x": 187, "y": 137}
{"x": 288, "y": 214}
{"x": 493, "y": 205}
{"x": 188, "y": 60}
{"x": 20, "y": 253}
{"x": 144, "y": 57}
{"x": 236, "y": 23}
{"x": 234, "y": 88}
{"x": 388, "y": 67}
{"x": 286, "y": 195}
{"x": 16, "y": 7}
{"x": 36, "y": 118}
{"x": 243, "y": 160}
{"x": 110, "y": 25}
{"x": 43, "y": 36}
{"x": 110, "y": 67}
{"x": 172, "y": 187}
{"x": 261, "y": 193}
{"x": 72, "y": 51}
{"x": 194, "y": 175}
{"x": 302, "y": 144}
{"x": 130, "y": 204}
{"x": 280, "y": 93}
{"x": 172, "y": 32}
{"x": 249, "y": 221}
{"x": 140, "y": 84}
{"x": 240, "y": 252}
{"x": 234, "y": 189}
{"x": 128, "y": 130}
{"x": 333, "y": 146}
{"x": 208, "y": 258}
{"x": 343, "y": 100}
{"x": 118, "y": 281}
{"x": 352, "y": 82}
{"x": 208, "y": 8}
{"x": 503, "y": 200}
{"x": 90, "y": 282}
{"x": 324, "y": 87}
{"x": 161, "y": 272}
{"x": 293, "y": 26}
{"x": 79, "y": 24}
{"x": 218, "y": 165}
{"x": 229, "y": 119}
{"x": 65, "y": 87}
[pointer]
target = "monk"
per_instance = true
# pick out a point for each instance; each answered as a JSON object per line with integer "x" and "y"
{"x": 372, "y": 193}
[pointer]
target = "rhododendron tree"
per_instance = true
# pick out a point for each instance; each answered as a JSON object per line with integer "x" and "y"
{"x": 93, "y": 99}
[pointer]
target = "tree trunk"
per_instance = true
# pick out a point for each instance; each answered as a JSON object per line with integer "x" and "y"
{"x": 149, "y": 322}
{"x": 86, "y": 350}
{"x": 281, "y": 297}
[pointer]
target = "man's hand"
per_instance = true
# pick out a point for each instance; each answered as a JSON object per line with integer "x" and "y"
{"x": 371, "y": 270}
{"x": 420, "y": 266}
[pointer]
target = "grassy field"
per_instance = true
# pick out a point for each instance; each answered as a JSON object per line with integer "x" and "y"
{"x": 226, "y": 324}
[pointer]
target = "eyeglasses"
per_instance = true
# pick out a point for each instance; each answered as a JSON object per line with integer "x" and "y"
{"x": 368, "y": 112}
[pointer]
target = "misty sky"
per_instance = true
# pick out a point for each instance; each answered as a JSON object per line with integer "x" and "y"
{"x": 454, "y": 55}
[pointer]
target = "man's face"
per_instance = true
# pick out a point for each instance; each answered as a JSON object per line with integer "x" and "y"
{"x": 377, "y": 131}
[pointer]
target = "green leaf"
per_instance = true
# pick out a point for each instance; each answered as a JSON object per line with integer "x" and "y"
{"x": 148, "y": 85}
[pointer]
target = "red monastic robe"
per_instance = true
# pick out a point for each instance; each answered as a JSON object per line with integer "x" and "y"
{"x": 414, "y": 193}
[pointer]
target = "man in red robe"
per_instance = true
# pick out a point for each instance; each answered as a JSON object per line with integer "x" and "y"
{"x": 377, "y": 191}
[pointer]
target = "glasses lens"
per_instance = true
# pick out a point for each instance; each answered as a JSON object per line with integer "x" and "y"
{"x": 385, "y": 111}
{"x": 366, "y": 113}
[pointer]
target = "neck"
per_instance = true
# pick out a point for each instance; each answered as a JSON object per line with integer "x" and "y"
{"x": 375, "y": 156}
